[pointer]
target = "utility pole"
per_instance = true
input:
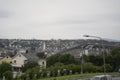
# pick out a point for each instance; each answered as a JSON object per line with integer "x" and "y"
{"x": 102, "y": 49}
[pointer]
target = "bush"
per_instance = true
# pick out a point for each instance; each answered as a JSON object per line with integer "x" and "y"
{"x": 108, "y": 68}
{"x": 8, "y": 75}
{"x": 29, "y": 65}
{"x": 89, "y": 67}
{"x": 5, "y": 67}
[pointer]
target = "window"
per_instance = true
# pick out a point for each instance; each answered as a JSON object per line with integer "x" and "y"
{"x": 19, "y": 55}
{"x": 43, "y": 63}
{"x": 25, "y": 61}
{"x": 14, "y": 61}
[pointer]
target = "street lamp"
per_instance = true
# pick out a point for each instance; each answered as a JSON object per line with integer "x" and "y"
{"x": 81, "y": 55}
{"x": 102, "y": 47}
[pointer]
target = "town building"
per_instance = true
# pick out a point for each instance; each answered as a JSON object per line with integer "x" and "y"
{"x": 20, "y": 59}
{"x": 6, "y": 59}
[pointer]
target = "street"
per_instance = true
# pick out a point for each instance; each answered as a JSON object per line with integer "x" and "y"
{"x": 116, "y": 78}
{"x": 113, "y": 78}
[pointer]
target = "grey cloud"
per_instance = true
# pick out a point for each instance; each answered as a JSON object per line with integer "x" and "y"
{"x": 115, "y": 17}
{"x": 75, "y": 21}
{"x": 55, "y": 17}
{"x": 4, "y": 14}
{"x": 69, "y": 22}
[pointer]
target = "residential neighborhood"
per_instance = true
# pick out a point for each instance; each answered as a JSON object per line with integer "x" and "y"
{"x": 20, "y": 59}
{"x": 19, "y": 52}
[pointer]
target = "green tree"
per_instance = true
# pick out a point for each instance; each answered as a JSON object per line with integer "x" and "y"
{"x": 5, "y": 67}
{"x": 58, "y": 64}
{"x": 74, "y": 68}
{"x": 32, "y": 73}
{"x": 24, "y": 77}
{"x": 52, "y": 59}
{"x": 53, "y": 72}
{"x": 8, "y": 75}
{"x": 41, "y": 55}
{"x": 62, "y": 58}
{"x": 89, "y": 67}
{"x": 96, "y": 59}
{"x": 115, "y": 53}
{"x": 86, "y": 58}
{"x": 29, "y": 65}
{"x": 108, "y": 68}
{"x": 67, "y": 59}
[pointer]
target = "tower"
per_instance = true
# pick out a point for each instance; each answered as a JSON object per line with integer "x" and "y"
{"x": 44, "y": 46}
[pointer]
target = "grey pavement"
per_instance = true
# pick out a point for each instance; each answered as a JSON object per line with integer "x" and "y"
{"x": 116, "y": 78}
{"x": 113, "y": 78}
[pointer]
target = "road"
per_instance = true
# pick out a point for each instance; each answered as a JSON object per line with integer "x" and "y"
{"x": 116, "y": 78}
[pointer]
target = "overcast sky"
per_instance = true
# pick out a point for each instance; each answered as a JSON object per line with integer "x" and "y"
{"x": 59, "y": 19}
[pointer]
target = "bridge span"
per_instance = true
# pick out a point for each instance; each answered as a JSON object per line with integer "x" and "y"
{"x": 88, "y": 49}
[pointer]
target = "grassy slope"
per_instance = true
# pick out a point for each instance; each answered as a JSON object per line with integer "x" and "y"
{"x": 71, "y": 76}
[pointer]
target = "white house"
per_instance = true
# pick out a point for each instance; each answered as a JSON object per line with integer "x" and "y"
{"x": 20, "y": 59}
{"x": 21, "y": 51}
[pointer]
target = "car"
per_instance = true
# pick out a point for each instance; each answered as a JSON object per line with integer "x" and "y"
{"x": 119, "y": 70}
{"x": 102, "y": 77}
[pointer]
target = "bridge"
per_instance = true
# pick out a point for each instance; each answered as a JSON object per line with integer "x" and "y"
{"x": 88, "y": 49}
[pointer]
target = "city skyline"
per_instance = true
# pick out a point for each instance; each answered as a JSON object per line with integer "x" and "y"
{"x": 59, "y": 19}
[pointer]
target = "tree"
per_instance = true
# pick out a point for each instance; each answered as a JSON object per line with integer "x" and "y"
{"x": 85, "y": 57}
{"x": 29, "y": 65}
{"x": 58, "y": 65}
{"x": 74, "y": 68}
{"x": 52, "y": 59}
{"x": 108, "y": 68}
{"x": 8, "y": 75}
{"x": 89, "y": 67}
{"x": 23, "y": 77}
{"x": 96, "y": 60}
{"x": 115, "y": 57}
{"x": 41, "y": 55}
{"x": 67, "y": 59}
{"x": 62, "y": 58}
{"x": 5, "y": 67}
